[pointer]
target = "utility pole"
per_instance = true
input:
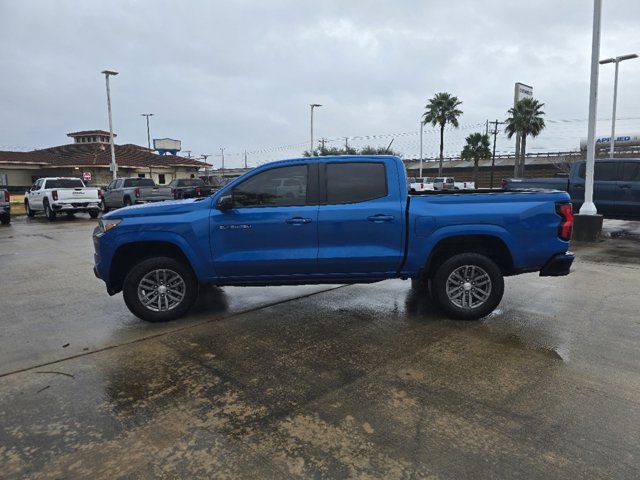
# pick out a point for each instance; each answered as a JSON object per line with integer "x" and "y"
{"x": 114, "y": 165}
{"x": 204, "y": 157}
{"x": 486, "y": 128}
{"x": 222, "y": 154}
{"x": 245, "y": 159}
{"x": 148, "y": 132}
{"x": 188, "y": 153}
{"x": 494, "y": 132}
{"x": 313, "y": 105}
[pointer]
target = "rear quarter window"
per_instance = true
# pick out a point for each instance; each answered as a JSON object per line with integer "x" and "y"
{"x": 355, "y": 182}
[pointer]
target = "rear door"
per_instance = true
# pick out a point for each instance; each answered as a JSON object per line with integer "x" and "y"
{"x": 360, "y": 224}
{"x": 628, "y": 200}
{"x": 271, "y": 231}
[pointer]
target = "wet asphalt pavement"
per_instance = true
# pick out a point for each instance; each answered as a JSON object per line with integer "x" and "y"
{"x": 365, "y": 381}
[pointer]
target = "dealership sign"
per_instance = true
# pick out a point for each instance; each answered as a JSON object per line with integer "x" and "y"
{"x": 522, "y": 91}
{"x": 86, "y": 176}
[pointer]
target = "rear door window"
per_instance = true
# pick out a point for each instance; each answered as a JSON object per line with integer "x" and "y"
{"x": 631, "y": 172}
{"x": 355, "y": 182}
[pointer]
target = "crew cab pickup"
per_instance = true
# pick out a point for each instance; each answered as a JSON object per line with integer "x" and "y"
{"x": 54, "y": 195}
{"x": 351, "y": 222}
{"x": 5, "y": 207}
{"x": 616, "y": 186}
{"x": 123, "y": 192}
{"x": 189, "y": 188}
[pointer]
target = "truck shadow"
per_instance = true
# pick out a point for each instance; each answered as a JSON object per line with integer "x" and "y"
{"x": 420, "y": 306}
{"x": 211, "y": 300}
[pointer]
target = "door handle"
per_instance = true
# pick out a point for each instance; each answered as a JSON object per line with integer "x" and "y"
{"x": 579, "y": 186}
{"x": 379, "y": 218}
{"x": 626, "y": 185}
{"x": 297, "y": 220}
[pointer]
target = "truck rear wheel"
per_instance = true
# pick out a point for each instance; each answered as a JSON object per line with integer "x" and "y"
{"x": 468, "y": 286}
{"x": 27, "y": 207}
{"x": 51, "y": 215}
{"x": 160, "y": 289}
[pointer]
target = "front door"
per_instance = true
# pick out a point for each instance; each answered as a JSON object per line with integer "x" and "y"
{"x": 360, "y": 224}
{"x": 272, "y": 229}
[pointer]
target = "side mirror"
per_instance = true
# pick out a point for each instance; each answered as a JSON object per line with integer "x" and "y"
{"x": 225, "y": 203}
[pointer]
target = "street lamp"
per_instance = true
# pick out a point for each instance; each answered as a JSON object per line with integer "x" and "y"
{"x": 148, "y": 134}
{"x": 313, "y": 105}
{"x": 114, "y": 165}
{"x": 617, "y": 61}
{"x": 421, "y": 128}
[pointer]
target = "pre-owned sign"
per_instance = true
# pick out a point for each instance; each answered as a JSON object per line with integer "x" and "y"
{"x": 86, "y": 176}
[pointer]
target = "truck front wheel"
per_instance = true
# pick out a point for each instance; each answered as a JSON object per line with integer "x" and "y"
{"x": 160, "y": 289}
{"x": 468, "y": 286}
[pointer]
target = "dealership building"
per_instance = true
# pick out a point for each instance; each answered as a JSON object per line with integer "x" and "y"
{"x": 89, "y": 156}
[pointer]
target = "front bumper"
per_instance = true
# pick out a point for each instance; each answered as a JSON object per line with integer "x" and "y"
{"x": 558, "y": 265}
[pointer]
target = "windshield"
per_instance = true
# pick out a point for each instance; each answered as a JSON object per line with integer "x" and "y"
{"x": 64, "y": 183}
{"x": 192, "y": 182}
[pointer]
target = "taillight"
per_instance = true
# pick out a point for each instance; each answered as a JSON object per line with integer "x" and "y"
{"x": 7, "y": 197}
{"x": 198, "y": 191}
{"x": 137, "y": 192}
{"x": 503, "y": 184}
{"x": 565, "y": 230}
{"x": 54, "y": 195}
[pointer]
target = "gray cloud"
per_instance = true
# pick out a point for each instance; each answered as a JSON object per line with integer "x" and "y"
{"x": 241, "y": 74}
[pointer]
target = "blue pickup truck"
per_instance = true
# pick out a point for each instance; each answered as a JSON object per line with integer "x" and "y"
{"x": 616, "y": 186}
{"x": 345, "y": 219}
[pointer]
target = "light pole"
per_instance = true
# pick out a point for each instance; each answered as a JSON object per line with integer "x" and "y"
{"x": 588, "y": 207}
{"x": 148, "y": 133}
{"x": 421, "y": 128}
{"x": 617, "y": 61}
{"x": 313, "y": 105}
{"x": 114, "y": 165}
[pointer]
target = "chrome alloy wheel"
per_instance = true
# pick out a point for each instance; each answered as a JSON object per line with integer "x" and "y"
{"x": 161, "y": 290}
{"x": 468, "y": 287}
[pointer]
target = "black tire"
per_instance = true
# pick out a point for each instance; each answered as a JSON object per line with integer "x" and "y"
{"x": 103, "y": 207}
{"x": 126, "y": 202}
{"x": 27, "y": 207}
{"x": 5, "y": 219}
{"x": 483, "y": 266}
{"x": 137, "y": 274}
{"x": 51, "y": 215}
{"x": 94, "y": 213}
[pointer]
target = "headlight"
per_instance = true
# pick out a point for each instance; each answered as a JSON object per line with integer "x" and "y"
{"x": 108, "y": 224}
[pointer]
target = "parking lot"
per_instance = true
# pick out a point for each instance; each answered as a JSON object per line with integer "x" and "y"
{"x": 363, "y": 381}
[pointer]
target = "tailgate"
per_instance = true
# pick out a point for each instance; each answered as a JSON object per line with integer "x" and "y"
{"x": 72, "y": 195}
{"x": 156, "y": 193}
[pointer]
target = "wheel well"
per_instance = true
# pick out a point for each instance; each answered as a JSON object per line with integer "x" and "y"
{"x": 130, "y": 254}
{"x": 488, "y": 245}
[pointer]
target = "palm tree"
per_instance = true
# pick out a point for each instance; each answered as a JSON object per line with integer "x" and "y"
{"x": 525, "y": 119}
{"x": 476, "y": 149}
{"x": 442, "y": 109}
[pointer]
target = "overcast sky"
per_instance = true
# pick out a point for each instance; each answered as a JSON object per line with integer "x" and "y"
{"x": 241, "y": 74}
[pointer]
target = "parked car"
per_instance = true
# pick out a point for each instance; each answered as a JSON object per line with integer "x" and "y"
{"x": 352, "y": 223}
{"x": 616, "y": 186}
{"x": 444, "y": 183}
{"x": 420, "y": 184}
{"x": 123, "y": 192}
{"x": 54, "y": 195}
{"x": 5, "y": 207}
{"x": 189, "y": 188}
{"x": 464, "y": 185}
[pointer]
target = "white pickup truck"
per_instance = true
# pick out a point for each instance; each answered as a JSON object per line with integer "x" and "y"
{"x": 420, "y": 184}
{"x": 53, "y": 195}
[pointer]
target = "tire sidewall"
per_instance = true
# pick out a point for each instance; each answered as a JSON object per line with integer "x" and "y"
{"x": 488, "y": 265}
{"x": 30, "y": 213}
{"x": 51, "y": 215}
{"x": 130, "y": 289}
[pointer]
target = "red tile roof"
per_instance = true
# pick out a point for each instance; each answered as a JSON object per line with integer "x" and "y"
{"x": 89, "y": 132}
{"x": 97, "y": 154}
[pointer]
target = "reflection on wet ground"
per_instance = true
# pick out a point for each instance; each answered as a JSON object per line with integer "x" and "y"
{"x": 367, "y": 381}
